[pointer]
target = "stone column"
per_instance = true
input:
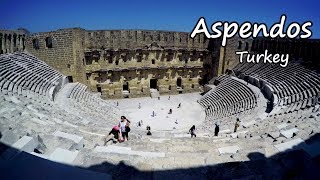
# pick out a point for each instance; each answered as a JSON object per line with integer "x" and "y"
{"x": 11, "y": 44}
{"x": 8, "y": 43}
{"x": 20, "y": 43}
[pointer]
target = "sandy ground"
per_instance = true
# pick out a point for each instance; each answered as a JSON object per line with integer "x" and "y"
{"x": 190, "y": 113}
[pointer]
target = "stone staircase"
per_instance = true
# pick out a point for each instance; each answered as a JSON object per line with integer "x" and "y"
{"x": 154, "y": 93}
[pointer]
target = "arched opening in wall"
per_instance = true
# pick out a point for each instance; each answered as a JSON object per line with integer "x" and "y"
{"x": 14, "y": 40}
{"x": 253, "y": 45}
{"x": 153, "y": 61}
{"x": 169, "y": 87}
{"x": 192, "y": 86}
{"x": 125, "y": 86}
{"x": 70, "y": 79}
{"x": 239, "y": 45}
{"x": 48, "y": 42}
{"x": 124, "y": 59}
{"x": 1, "y": 37}
{"x": 99, "y": 89}
{"x": 179, "y": 82}
{"x": 247, "y": 46}
{"x": 88, "y": 75}
{"x": 35, "y": 44}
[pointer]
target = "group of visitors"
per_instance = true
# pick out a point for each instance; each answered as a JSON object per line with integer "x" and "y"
{"x": 216, "y": 129}
{"x": 119, "y": 133}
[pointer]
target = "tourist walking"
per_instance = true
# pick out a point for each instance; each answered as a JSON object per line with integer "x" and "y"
{"x": 124, "y": 128}
{"x": 236, "y": 125}
{"x": 192, "y": 131}
{"x": 216, "y": 130}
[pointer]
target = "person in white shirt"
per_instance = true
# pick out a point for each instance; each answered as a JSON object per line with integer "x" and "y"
{"x": 124, "y": 127}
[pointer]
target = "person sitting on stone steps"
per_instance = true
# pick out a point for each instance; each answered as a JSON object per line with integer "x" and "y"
{"x": 114, "y": 135}
{"x": 192, "y": 131}
{"x": 149, "y": 131}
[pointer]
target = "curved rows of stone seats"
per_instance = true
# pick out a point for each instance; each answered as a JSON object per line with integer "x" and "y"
{"x": 76, "y": 98}
{"x": 26, "y": 75}
{"x": 53, "y": 134}
{"x": 42, "y": 119}
{"x": 219, "y": 79}
{"x": 291, "y": 88}
{"x": 230, "y": 97}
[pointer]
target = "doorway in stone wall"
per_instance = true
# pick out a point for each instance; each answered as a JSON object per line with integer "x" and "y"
{"x": 98, "y": 89}
{"x": 70, "y": 79}
{"x": 125, "y": 86}
{"x": 153, "y": 84}
{"x": 179, "y": 82}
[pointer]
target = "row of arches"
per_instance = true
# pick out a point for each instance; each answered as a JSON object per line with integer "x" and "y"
{"x": 11, "y": 42}
{"x": 246, "y": 48}
{"x": 296, "y": 48}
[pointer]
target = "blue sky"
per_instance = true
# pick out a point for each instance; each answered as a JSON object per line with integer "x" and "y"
{"x": 47, "y": 15}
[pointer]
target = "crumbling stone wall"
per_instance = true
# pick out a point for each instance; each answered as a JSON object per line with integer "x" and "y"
{"x": 135, "y": 39}
{"x": 61, "y": 49}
